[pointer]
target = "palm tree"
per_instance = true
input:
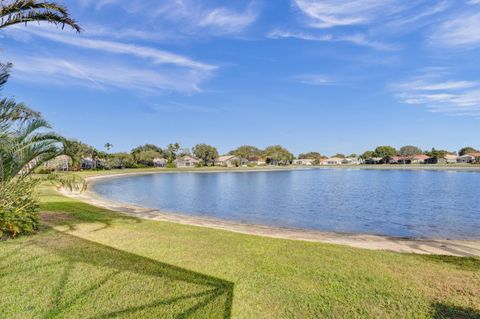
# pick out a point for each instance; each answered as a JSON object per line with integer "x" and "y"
{"x": 108, "y": 146}
{"x": 22, "y": 151}
{"x": 25, "y": 11}
{"x": 24, "y": 144}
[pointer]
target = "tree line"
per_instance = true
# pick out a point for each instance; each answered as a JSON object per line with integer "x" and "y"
{"x": 144, "y": 155}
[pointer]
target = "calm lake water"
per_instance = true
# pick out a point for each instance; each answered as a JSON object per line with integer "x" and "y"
{"x": 434, "y": 204}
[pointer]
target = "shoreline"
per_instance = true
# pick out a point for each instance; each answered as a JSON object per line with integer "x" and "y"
{"x": 366, "y": 241}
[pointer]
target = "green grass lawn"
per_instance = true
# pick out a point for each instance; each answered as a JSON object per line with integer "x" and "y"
{"x": 88, "y": 262}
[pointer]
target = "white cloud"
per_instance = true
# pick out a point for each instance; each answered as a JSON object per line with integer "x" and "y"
{"x": 188, "y": 16}
{"x": 97, "y": 75}
{"x": 440, "y": 95}
{"x": 459, "y": 31}
{"x": 356, "y": 38}
{"x": 315, "y": 79}
{"x": 112, "y": 65}
{"x": 155, "y": 55}
{"x": 333, "y": 13}
{"x": 227, "y": 21}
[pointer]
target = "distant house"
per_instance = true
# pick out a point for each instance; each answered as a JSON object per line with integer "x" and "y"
{"x": 256, "y": 160}
{"x": 186, "y": 161}
{"x": 374, "y": 160}
{"x": 448, "y": 159}
{"x": 332, "y": 161}
{"x": 418, "y": 159}
{"x": 304, "y": 162}
{"x": 415, "y": 159}
{"x": 476, "y": 155}
{"x": 59, "y": 163}
{"x": 466, "y": 159}
{"x": 451, "y": 158}
{"x": 351, "y": 161}
{"x": 159, "y": 162}
{"x": 89, "y": 163}
{"x": 228, "y": 161}
{"x": 395, "y": 160}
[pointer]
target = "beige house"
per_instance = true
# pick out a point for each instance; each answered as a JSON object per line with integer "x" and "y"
{"x": 228, "y": 161}
{"x": 186, "y": 161}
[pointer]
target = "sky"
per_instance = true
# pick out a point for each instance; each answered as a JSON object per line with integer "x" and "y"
{"x": 333, "y": 76}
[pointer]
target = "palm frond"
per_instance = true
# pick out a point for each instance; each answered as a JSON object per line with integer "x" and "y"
{"x": 25, "y": 11}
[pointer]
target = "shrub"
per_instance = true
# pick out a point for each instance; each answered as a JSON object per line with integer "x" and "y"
{"x": 171, "y": 165}
{"x": 18, "y": 208}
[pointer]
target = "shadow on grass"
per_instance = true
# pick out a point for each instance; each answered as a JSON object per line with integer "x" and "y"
{"x": 442, "y": 311}
{"x": 90, "y": 280}
{"x": 66, "y": 212}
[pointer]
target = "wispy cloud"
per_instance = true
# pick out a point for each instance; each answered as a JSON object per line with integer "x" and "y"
{"x": 111, "y": 64}
{"x": 439, "y": 94}
{"x": 155, "y": 55}
{"x": 333, "y": 13}
{"x": 458, "y": 31}
{"x": 355, "y": 38}
{"x": 96, "y": 75}
{"x": 189, "y": 16}
{"x": 228, "y": 21}
{"x": 315, "y": 79}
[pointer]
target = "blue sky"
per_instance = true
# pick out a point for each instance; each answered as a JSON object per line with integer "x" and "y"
{"x": 328, "y": 76}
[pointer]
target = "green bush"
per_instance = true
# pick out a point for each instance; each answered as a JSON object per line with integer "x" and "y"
{"x": 171, "y": 165}
{"x": 18, "y": 208}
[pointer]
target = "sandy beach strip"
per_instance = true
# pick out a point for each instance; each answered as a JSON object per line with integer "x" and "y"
{"x": 376, "y": 242}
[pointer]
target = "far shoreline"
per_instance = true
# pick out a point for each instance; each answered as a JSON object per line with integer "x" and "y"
{"x": 367, "y": 241}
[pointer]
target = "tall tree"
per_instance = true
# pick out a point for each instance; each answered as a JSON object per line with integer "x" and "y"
{"x": 385, "y": 151}
{"x": 311, "y": 155}
{"x": 171, "y": 152}
{"x": 277, "y": 154}
{"x": 26, "y": 11}
{"x": 368, "y": 154}
{"x": 409, "y": 150}
{"x": 108, "y": 146}
{"x": 246, "y": 152}
{"x": 437, "y": 153}
{"x": 467, "y": 150}
{"x": 206, "y": 153}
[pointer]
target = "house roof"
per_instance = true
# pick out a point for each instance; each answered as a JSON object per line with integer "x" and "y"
{"x": 474, "y": 154}
{"x": 187, "y": 158}
{"x": 225, "y": 158}
{"x": 450, "y": 156}
{"x": 421, "y": 157}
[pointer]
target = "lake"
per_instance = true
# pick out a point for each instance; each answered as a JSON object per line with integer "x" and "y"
{"x": 406, "y": 203}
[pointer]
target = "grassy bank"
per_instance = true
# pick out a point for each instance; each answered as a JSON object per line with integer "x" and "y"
{"x": 93, "y": 263}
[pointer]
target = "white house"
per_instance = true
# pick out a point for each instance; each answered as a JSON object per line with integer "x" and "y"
{"x": 59, "y": 163}
{"x": 465, "y": 159}
{"x": 332, "y": 161}
{"x": 159, "y": 162}
{"x": 304, "y": 161}
{"x": 351, "y": 161}
{"x": 228, "y": 161}
{"x": 186, "y": 161}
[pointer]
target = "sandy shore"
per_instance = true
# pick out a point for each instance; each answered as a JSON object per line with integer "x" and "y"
{"x": 403, "y": 245}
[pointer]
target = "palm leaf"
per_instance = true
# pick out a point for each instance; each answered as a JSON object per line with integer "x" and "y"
{"x": 25, "y": 11}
